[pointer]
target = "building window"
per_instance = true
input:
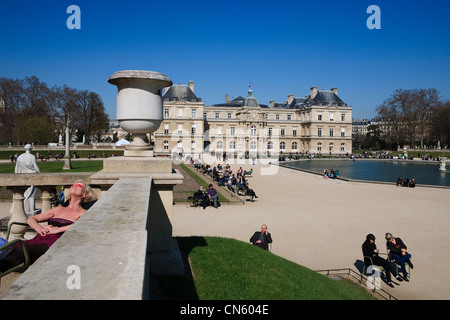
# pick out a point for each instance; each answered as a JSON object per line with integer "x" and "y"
{"x": 342, "y": 116}
{"x": 319, "y": 117}
{"x": 194, "y": 113}
{"x": 342, "y": 146}
{"x": 166, "y": 113}
{"x": 282, "y": 145}
{"x": 331, "y": 132}
{"x": 342, "y": 132}
{"x": 217, "y": 115}
{"x": 289, "y": 117}
{"x": 277, "y": 117}
{"x": 193, "y": 129}
{"x": 294, "y": 145}
{"x": 319, "y": 132}
{"x": 253, "y": 131}
{"x": 219, "y": 145}
{"x": 253, "y": 145}
{"x": 319, "y": 146}
{"x": 330, "y": 147}
{"x": 180, "y": 129}
{"x": 166, "y": 129}
{"x": 166, "y": 145}
{"x": 205, "y": 115}
{"x": 229, "y": 115}
{"x": 331, "y": 116}
{"x": 270, "y": 131}
{"x": 282, "y": 131}
{"x": 193, "y": 145}
{"x": 294, "y": 132}
{"x": 270, "y": 145}
{"x": 232, "y": 145}
{"x": 232, "y": 130}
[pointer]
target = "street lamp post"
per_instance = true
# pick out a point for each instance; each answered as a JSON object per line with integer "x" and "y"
{"x": 67, "y": 163}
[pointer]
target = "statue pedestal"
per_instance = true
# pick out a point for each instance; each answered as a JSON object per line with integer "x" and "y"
{"x": 134, "y": 153}
{"x": 162, "y": 250}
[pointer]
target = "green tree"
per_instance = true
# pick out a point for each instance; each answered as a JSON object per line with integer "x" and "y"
{"x": 440, "y": 124}
{"x": 93, "y": 121}
{"x": 36, "y": 129}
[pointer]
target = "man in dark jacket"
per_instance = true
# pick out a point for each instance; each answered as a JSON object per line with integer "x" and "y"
{"x": 397, "y": 252}
{"x": 262, "y": 238}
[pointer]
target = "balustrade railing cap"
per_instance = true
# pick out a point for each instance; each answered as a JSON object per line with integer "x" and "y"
{"x": 139, "y": 74}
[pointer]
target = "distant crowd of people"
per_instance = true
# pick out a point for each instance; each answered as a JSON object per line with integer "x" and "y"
{"x": 332, "y": 174}
{"x": 225, "y": 177}
{"x": 411, "y": 183}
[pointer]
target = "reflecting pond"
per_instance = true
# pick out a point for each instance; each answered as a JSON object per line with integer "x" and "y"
{"x": 425, "y": 172}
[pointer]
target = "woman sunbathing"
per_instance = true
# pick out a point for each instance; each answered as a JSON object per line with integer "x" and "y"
{"x": 59, "y": 219}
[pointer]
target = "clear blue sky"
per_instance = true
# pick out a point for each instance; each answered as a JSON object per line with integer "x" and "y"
{"x": 278, "y": 46}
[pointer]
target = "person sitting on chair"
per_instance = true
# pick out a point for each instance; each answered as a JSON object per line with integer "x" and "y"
{"x": 369, "y": 249}
{"x": 262, "y": 238}
{"x": 59, "y": 220}
{"x": 397, "y": 252}
{"x": 250, "y": 192}
{"x": 201, "y": 195}
{"x": 212, "y": 194}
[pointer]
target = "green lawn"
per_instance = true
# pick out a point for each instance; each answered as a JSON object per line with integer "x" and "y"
{"x": 228, "y": 269}
{"x": 82, "y": 153}
{"x": 57, "y": 166}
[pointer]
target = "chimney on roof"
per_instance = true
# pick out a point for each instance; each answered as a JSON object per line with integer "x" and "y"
{"x": 334, "y": 89}
{"x": 313, "y": 92}
{"x": 227, "y": 98}
{"x": 290, "y": 98}
{"x": 191, "y": 85}
{"x": 272, "y": 103}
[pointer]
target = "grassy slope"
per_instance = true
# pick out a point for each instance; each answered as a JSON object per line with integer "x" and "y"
{"x": 228, "y": 269}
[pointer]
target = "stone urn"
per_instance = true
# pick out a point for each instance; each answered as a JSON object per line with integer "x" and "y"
{"x": 139, "y": 104}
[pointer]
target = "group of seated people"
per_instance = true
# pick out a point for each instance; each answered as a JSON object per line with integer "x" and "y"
{"x": 236, "y": 183}
{"x": 203, "y": 196}
{"x": 411, "y": 183}
{"x": 225, "y": 177}
{"x": 332, "y": 174}
{"x": 397, "y": 253}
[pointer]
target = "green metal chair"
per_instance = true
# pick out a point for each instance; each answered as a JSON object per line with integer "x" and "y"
{"x": 398, "y": 264}
{"x": 369, "y": 259}
{"x": 22, "y": 266}
{"x": 368, "y": 263}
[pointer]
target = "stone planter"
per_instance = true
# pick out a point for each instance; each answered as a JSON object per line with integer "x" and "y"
{"x": 139, "y": 103}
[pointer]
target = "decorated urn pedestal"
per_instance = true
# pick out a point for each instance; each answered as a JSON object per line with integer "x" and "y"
{"x": 139, "y": 105}
{"x": 140, "y": 111}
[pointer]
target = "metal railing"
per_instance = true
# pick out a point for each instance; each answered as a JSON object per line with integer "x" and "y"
{"x": 358, "y": 277}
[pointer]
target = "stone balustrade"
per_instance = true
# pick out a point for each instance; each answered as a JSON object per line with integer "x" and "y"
{"x": 46, "y": 183}
{"x": 112, "y": 250}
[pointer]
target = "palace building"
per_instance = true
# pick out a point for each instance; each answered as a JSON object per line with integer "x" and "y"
{"x": 318, "y": 123}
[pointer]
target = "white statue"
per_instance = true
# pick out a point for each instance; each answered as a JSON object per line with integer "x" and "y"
{"x": 442, "y": 164}
{"x": 26, "y": 163}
